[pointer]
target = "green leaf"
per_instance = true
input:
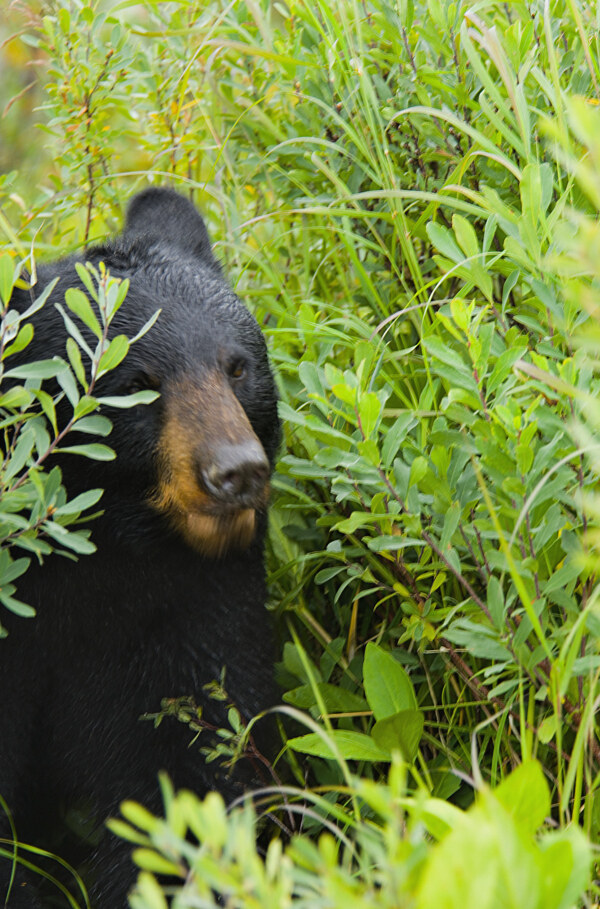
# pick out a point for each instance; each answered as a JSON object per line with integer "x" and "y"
{"x": 402, "y": 732}
{"x": 352, "y": 746}
{"x": 446, "y": 354}
{"x": 466, "y": 236}
{"x": 369, "y": 409}
{"x": 495, "y": 602}
{"x": 116, "y": 352}
{"x": 15, "y": 398}
{"x": 395, "y": 435}
{"x": 444, "y": 241}
{"x": 7, "y": 272}
{"x": 67, "y": 382}
{"x": 124, "y": 401}
{"x": 95, "y": 425}
{"x": 23, "y": 338}
{"x": 87, "y": 280}
{"x": 80, "y": 306}
{"x": 450, "y": 524}
{"x": 526, "y": 796}
{"x": 388, "y": 687}
{"x": 503, "y": 366}
{"x": 85, "y": 406}
{"x": 336, "y": 699}
{"x": 80, "y": 502}
{"x": 77, "y": 542}
{"x": 74, "y": 354}
{"x": 14, "y": 570}
{"x": 16, "y": 606}
{"x": 20, "y": 455}
{"x": 39, "y": 369}
{"x": 150, "y": 860}
{"x": 126, "y": 832}
{"x": 566, "y": 860}
{"x": 418, "y": 469}
{"x": 95, "y": 450}
{"x": 47, "y": 402}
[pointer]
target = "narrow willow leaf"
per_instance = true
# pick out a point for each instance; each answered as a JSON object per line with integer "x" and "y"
{"x": 95, "y": 450}
{"x": 7, "y": 271}
{"x": 80, "y": 306}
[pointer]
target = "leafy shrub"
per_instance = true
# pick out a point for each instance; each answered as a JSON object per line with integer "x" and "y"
{"x": 407, "y": 194}
{"x": 487, "y": 857}
{"x": 35, "y": 512}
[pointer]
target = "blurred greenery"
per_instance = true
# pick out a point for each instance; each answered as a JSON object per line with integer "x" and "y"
{"x": 407, "y": 195}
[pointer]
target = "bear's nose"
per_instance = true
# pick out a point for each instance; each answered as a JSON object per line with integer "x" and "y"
{"x": 238, "y": 474}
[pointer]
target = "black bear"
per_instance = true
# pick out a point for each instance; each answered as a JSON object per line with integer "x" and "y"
{"x": 176, "y": 589}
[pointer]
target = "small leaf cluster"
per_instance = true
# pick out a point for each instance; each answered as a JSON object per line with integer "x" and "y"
{"x": 41, "y": 403}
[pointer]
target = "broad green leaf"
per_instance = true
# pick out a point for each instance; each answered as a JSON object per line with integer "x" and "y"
{"x": 482, "y": 863}
{"x": 402, "y": 732}
{"x": 352, "y": 746}
{"x": 526, "y": 796}
{"x": 336, "y": 699}
{"x": 388, "y": 687}
{"x": 444, "y": 241}
{"x": 345, "y": 393}
{"x": 566, "y": 864}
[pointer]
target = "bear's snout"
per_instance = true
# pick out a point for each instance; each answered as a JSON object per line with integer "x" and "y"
{"x": 238, "y": 475}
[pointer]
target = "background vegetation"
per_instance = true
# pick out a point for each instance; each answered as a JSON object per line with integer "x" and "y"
{"x": 407, "y": 195}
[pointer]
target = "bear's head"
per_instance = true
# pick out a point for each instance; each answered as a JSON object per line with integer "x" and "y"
{"x": 199, "y": 458}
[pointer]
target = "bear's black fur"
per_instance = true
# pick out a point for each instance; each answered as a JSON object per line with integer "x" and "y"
{"x": 176, "y": 588}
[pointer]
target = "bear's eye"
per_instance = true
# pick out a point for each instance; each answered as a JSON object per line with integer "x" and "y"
{"x": 236, "y": 370}
{"x": 143, "y": 382}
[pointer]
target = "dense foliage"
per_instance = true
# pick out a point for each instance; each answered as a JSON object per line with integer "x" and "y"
{"x": 407, "y": 195}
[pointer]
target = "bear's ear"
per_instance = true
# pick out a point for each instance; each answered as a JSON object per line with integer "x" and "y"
{"x": 163, "y": 214}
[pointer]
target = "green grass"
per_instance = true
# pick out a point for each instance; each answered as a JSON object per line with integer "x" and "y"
{"x": 406, "y": 194}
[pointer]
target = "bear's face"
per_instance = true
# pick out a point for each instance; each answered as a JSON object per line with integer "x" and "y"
{"x": 211, "y": 436}
{"x": 200, "y": 456}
